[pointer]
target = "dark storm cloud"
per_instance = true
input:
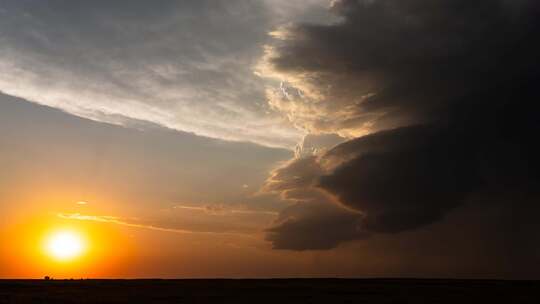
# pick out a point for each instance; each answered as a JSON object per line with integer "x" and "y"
{"x": 392, "y": 63}
{"x": 314, "y": 225}
{"x": 401, "y": 179}
{"x": 453, "y": 86}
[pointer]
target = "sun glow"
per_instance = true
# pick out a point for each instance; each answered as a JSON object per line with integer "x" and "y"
{"x": 65, "y": 245}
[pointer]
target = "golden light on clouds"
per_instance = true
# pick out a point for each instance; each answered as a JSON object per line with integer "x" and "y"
{"x": 65, "y": 245}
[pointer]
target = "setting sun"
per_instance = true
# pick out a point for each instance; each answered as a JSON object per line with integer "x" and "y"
{"x": 65, "y": 245}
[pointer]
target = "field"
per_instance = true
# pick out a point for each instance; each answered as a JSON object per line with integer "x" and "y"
{"x": 277, "y": 291}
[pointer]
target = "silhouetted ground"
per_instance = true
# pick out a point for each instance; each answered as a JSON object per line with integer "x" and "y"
{"x": 277, "y": 291}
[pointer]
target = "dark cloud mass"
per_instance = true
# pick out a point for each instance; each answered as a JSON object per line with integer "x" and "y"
{"x": 301, "y": 227}
{"x": 402, "y": 178}
{"x": 446, "y": 90}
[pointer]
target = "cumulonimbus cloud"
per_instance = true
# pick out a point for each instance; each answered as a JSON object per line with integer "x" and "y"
{"x": 438, "y": 101}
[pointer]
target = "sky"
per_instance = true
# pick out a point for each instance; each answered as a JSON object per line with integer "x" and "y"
{"x": 271, "y": 138}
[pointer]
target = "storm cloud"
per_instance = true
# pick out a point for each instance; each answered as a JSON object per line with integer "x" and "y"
{"x": 438, "y": 99}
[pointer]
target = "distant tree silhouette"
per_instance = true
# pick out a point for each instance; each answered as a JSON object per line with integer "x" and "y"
{"x": 47, "y": 278}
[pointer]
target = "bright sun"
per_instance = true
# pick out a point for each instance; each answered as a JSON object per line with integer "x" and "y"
{"x": 65, "y": 245}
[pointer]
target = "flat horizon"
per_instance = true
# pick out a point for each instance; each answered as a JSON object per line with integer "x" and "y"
{"x": 385, "y": 141}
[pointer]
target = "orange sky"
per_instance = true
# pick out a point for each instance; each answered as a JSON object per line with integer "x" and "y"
{"x": 269, "y": 138}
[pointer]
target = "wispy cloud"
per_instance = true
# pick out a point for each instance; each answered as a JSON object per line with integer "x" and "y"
{"x": 185, "y": 71}
{"x": 134, "y": 223}
{"x": 223, "y": 210}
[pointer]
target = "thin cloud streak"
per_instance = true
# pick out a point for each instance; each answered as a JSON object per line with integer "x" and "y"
{"x": 124, "y": 222}
{"x": 219, "y": 210}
